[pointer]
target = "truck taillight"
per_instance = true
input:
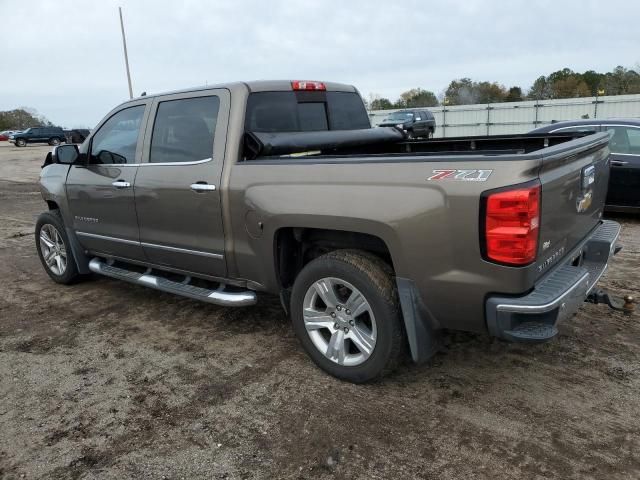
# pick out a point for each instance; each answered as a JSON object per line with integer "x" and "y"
{"x": 307, "y": 85}
{"x": 511, "y": 223}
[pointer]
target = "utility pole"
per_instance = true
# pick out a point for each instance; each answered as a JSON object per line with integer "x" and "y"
{"x": 126, "y": 57}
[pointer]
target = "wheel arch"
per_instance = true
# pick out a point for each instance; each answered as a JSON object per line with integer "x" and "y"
{"x": 294, "y": 247}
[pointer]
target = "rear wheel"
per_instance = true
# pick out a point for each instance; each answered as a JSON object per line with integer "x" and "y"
{"x": 54, "y": 141}
{"x": 346, "y": 314}
{"x": 21, "y": 142}
{"x": 54, "y": 249}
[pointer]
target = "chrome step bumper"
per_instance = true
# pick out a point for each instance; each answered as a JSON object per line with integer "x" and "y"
{"x": 534, "y": 317}
{"x": 218, "y": 296}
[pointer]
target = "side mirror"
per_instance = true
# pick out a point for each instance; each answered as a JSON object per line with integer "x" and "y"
{"x": 65, "y": 154}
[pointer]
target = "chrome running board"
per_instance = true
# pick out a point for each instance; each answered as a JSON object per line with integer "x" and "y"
{"x": 218, "y": 296}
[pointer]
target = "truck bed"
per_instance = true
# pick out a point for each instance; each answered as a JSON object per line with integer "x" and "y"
{"x": 390, "y": 142}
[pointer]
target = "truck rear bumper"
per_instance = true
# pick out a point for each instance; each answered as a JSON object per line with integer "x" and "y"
{"x": 534, "y": 317}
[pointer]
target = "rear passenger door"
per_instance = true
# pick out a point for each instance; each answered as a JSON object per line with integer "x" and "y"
{"x": 177, "y": 186}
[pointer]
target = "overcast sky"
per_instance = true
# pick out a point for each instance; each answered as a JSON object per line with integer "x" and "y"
{"x": 64, "y": 57}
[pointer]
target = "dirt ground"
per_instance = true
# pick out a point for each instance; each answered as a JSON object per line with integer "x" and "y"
{"x": 108, "y": 380}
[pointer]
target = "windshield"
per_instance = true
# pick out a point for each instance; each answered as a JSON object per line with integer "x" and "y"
{"x": 400, "y": 116}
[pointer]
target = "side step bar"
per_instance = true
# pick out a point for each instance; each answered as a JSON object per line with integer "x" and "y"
{"x": 218, "y": 296}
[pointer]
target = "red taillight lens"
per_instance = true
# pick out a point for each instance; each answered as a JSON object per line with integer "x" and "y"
{"x": 512, "y": 220}
{"x": 306, "y": 85}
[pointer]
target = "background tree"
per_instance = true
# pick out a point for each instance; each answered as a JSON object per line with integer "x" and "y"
{"x": 416, "y": 97}
{"x": 465, "y": 91}
{"x": 514, "y": 95}
{"x": 381, "y": 104}
{"x": 490, "y": 92}
{"x": 594, "y": 80}
{"x": 22, "y": 118}
{"x": 621, "y": 81}
{"x": 460, "y": 92}
{"x": 570, "y": 87}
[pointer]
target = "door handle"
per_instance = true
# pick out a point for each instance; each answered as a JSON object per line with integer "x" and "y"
{"x": 618, "y": 163}
{"x": 202, "y": 187}
{"x": 121, "y": 184}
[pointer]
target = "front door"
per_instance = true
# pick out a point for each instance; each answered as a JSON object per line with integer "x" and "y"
{"x": 177, "y": 186}
{"x": 100, "y": 193}
{"x": 624, "y": 180}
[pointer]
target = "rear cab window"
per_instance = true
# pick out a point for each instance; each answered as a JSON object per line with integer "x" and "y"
{"x": 304, "y": 111}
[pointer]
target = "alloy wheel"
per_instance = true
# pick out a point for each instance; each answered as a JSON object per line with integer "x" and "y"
{"x": 53, "y": 249}
{"x": 339, "y": 321}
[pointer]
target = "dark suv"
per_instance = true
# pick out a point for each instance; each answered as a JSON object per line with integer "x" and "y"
{"x": 50, "y": 135}
{"x": 416, "y": 123}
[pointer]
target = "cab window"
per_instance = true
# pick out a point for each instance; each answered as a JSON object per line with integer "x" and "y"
{"x": 184, "y": 130}
{"x": 624, "y": 140}
{"x": 116, "y": 140}
{"x": 305, "y": 112}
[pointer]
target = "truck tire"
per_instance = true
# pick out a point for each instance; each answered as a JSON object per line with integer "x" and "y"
{"x": 346, "y": 313}
{"x": 54, "y": 141}
{"x": 21, "y": 142}
{"x": 54, "y": 248}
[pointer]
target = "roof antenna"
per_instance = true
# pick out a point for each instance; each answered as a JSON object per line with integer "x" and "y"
{"x": 126, "y": 57}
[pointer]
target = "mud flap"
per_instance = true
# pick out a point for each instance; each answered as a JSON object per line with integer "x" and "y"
{"x": 82, "y": 261}
{"x": 423, "y": 334}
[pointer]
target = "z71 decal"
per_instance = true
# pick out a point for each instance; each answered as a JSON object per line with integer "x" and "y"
{"x": 461, "y": 175}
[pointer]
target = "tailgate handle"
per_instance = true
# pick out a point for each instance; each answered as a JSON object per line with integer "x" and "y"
{"x": 618, "y": 163}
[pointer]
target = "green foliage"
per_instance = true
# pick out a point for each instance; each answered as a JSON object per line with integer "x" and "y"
{"x": 381, "y": 104}
{"x": 22, "y": 118}
{"x": 465, "y": 91}
{"x": 514, "y": 95}
{"x": 566, "y": 83}
{"x": 563, "y": 83}
{"x": 416, "y": 97}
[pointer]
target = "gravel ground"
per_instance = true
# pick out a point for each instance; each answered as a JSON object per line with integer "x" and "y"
{"x": 108, "y": 380}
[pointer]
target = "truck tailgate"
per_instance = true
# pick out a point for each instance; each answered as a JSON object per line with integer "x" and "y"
{"x": 574, "y": 177}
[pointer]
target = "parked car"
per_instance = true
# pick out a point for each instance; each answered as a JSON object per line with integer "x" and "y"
{"x": 624, "y": 180}
{"x": 4, "y": 136}
{"x": 50, "y": 135}
{"x": 416, "y": 123}
{"x": 374, "y": 243}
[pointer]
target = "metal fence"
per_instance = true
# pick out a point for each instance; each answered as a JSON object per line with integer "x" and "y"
{"x": 521, "y": 117}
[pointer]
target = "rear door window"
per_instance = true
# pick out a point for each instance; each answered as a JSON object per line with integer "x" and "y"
{"x": 634, "y": 140}
{"x": 624, "y": 139}
{"x": 184, "y": 130}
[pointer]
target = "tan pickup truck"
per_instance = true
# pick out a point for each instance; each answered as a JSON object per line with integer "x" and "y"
{"x": 374, "y": 242}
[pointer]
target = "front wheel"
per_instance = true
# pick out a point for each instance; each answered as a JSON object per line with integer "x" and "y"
{"x": 20, "y": 142}
{"x": 346, "y": 314}
{"x": 54, "y": 249}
